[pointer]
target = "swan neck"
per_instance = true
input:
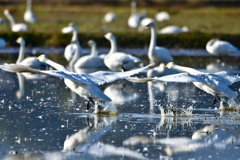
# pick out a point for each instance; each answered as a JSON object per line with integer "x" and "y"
{"x": 11, "y": 20}
{"x": 29, "y": 5}
{"x": 153, "y": 39}
{"x": 55, "y": 65}
{"x": 94, "y": 51}
{"x": 75, "y": 58}
{"x": 113, "y": 46}
{"x": 21, "y": 53}
{"x": 133, "y": 8}
{"x": 184, "y": 69}
{"x": 75, "y": 35}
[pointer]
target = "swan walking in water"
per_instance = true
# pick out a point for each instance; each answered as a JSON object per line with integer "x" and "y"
{"x": 29, "y": 61}
{"x": 218, "y": 47}
{"x": 92, "y": 61}
{"x": 29, "y": 16}
{"x": 83, "y": 84}
{"x": 71, "y": 49}
{"x": 118, "y": 61}
{"x": 16, "y": 27}
{"x": 156, "y": 54}
{"x": 215, "y": 84}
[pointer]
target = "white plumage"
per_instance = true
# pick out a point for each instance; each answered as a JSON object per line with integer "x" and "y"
{"x": 29, "y": 16}
{"x": 162, "y": 16}
{"x": 218, "y": 47}
{"x": 173, "y": 30}
{"x": 118, "y": 61}
{"x": 135, "y": 18}
{"x": 83, "y": 84}
{"x": 156, "y": 54}
{"x": 16, "y": 27}
{"x": 109, "y": 17}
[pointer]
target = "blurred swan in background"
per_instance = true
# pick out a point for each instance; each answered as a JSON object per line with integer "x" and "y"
{"x": 215, "y": 84}
{"x": 118, "y": 61}
{"x": 29, "y": 16}
{"x": 135, "y": 18}
{"x": 162, "y": 16}
{"x": 109, "y": 17}
{"x": 221, "y": 66}
{"x": 160, "y": 71}
{"x": 71, "y": 49}
{"x": 16, "y": 27}
{"x": 83, "y": 84}
{"x": 156, "y": 54}
{"x": 92, "y": 60}
{"x": 173, "y": 30}
{"x": 29, "y": 61}
{"x": 218, "y": 47}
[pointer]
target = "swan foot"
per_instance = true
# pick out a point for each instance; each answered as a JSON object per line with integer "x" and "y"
{"x": 216, "y": 99}
{"x": 88, "y": 103}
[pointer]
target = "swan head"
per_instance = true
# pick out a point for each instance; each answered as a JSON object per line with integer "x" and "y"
{"x": 70, "y": 28}
{"x": 212, "y": 41}
{"x": 42, "y": 58}
{"x": 170, "y": 65}
{"x": 20, "y": 40}
{"x": 6, "y": 12}
{"x": 109, "y": 36}
{"x": 147, "y": 22}
{"x": 91, "y": 43}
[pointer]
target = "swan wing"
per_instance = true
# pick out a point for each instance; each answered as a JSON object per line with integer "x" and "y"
{"x": 227, "y": 77}
{"x": 224, "y": 46}
{"x": 180, "y": 77}
{"x": 106, "y": 77}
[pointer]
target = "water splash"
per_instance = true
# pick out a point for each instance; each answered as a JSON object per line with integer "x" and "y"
{"x": 107, "y": 108}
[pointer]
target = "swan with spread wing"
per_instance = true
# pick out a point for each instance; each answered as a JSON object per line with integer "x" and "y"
{"x": 85, "y": 85}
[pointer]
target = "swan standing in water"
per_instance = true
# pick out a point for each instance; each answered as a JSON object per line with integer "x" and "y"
{"x": 156, "y": 54}
{"x": 118, "y": 61}
{"x": 29, "y": 61}
{"x": 218, "y": 47}
{"x": 71, "y": 49}
{"x": 19, "y": 27}
{"x": 83, "y": 84}
{"x": 173, "y": 30}
{"x": 215, "y": 84}
{"x": 29, "y": 16}
{"x": 91, "y": 61}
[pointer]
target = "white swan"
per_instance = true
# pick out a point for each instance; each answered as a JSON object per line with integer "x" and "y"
{"x": 156, "y": 54}
{"x": 215, "y": 84}
{"x": 92, "y": 60}
{"x": 173, "y": 30}
{"x": 218, "y": 47}
{"x": 16, "y": 27}
{"x": 162, "y": 16}
{"x": 109, "y": 17}
{"x": 29, "y": 61}
{"x": 29, "y": 16}
{"x": 71, "y": 49}
{"x": 83, "y": 84}
{"x": 118, "y": 61}
{"x": 135, "y": 18}
{"x": 160, "y": 71}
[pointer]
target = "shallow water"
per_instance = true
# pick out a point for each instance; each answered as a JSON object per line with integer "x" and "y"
{"x": 40, "y": 117}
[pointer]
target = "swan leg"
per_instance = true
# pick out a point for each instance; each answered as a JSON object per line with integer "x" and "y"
{"x": 88, "y": 103}
{"x": 216, "y": 99}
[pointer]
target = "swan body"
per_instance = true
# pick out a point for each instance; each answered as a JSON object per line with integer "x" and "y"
{"x": 218, "y": 47}
{"x": 118, "y": 61}
{"x": 71, "y": 49}
{"x": 135, "y": 18}
{"x": 86, "y": 85}
{"x": 215, "y": 84}
{"x": 109, "y": 17}
{"x": 156, "y": 54}
{"x": 29, "y": 61}
{"x": 92, "y": 60}
{"x": 162, "y": 16}
{"x": 16, "y": 27}
{"x": 173, "y": 30}
{"x": 29, "y": 16}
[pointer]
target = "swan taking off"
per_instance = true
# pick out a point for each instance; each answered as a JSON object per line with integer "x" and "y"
{"x": 118, "y": 61}
{"x": 85, "y": 85}
{"x": 156, "y": 54}
{"x": 218, "y": 47}
{"x": 29, "y": 16}
{"x": 29, "y": 61}
{"x": 19, "y": 27}
{"x": 215, "y": 84}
